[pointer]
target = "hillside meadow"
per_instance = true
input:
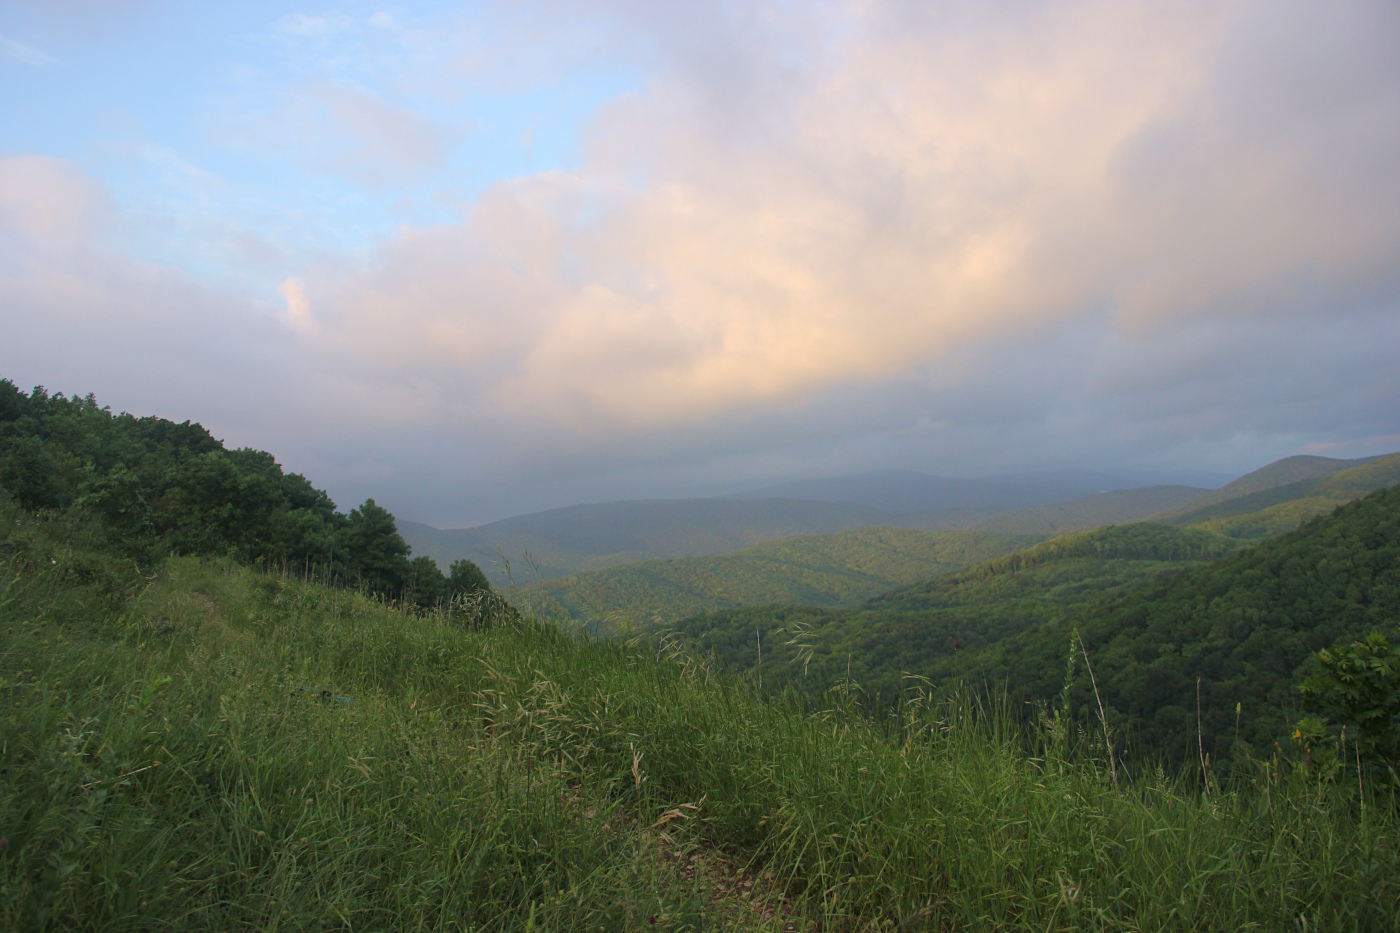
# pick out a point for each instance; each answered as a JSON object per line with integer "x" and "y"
{"x": 198, "y": 745}
{"x": 231, "y": 707}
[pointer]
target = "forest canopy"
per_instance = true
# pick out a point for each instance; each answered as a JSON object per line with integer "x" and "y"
{"x": 156, "y": 487}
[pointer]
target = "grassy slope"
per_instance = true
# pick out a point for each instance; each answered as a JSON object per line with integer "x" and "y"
{"x": 909, "y": 629}
{"x": 1118, "y": 507}
{"x": 162, "y": 771}
{"x": 836, "y": 569}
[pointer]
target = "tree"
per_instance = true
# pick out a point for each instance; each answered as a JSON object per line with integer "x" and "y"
{"x": 375, "y": 551}
{"x": 465, "y": 577}
{"x": 29, "y": 472}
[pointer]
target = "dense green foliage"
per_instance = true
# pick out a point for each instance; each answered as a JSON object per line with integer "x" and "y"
{"x": 1192, "y": 659}
{"x": 838, "y": 569}
{"x": 910, "y": 629}
{"x": 1214, "y": 656}
{"x": 155, "y": 487}
{"x": 193, "y": 743}
{"x": 199, "y": 746}
{"x": 1357, "y": 687}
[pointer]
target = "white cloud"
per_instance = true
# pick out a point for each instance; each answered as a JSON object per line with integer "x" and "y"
{"x": 348, "y": 131}
{"x": 890, "y": 193}
{"x": 47, "y": 204}
{"x": 298, "y": 308}
{"x": 303, "y": 25}
{"x": 18, "y": 51}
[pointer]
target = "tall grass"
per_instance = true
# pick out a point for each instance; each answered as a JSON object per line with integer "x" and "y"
{"x": 213, "y": 748}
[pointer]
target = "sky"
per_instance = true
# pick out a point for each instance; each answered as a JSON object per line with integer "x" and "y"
{"x": 479, "y": 259}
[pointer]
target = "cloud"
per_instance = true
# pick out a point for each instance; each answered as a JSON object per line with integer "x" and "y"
{"x": 25, "y": 54}
{"x": 46, "y": 203}
{"x": 81, "y": 314}
{"x": 961, "y": 237}
{"x": 751, "y": 231}
{"x": 298, "y": 309}
{"x": 348, "y": 131}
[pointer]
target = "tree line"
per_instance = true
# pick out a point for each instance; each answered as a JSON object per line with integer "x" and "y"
{"x": 155, "y": 487}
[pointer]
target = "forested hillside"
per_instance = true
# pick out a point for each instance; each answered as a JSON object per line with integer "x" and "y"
{"x": 910, "y": 628}
{"x": 1279, "y": 473}
{"x": 1277, "y": 509}
{"x": 1158, "y": 609}
{"x": 154, "y": 487}
{"x": 1245, "y": 627}
{"x": 838, "y": 569}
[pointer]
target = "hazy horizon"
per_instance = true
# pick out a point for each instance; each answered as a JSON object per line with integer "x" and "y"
{"x": 483, "y": 259}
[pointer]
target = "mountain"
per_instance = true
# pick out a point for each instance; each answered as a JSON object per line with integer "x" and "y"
{"x": 1283, "y": 472}
{"x": 1267, "y": 510}
{"x": 904, "y": 489}
{"x": 589, "y": 537}
{"x": 1118, "y": 507}
{"x": 1163, "y": 613}
{"x": 1243, "y": 627}
{"x": 910, "y": 629}
{"x": 558, "y": 542}
{"x": 837, "y": 569}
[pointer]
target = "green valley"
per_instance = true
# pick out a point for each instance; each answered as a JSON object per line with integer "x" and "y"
{"x": 838, "y": 569}
{"x": 1174, "y": 620}
{"x": 957, "y": 613}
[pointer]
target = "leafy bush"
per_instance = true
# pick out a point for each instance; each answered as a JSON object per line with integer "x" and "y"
{"x": 1357, "y": 687}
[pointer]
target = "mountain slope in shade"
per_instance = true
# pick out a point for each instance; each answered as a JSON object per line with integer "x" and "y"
{"x": 589, "y": 537}
{"x": 1118, "y": 507}
{"x": 1279, "y": 509}
{"x": 838, "y": 569}
{"x": 1283, "y": 472}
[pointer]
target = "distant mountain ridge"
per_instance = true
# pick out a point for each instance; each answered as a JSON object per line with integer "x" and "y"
{"x": 1117, "y": 507}
{"x": 1266, "y": 510}
{"x": 907, "y": 489}
{"x": 838, "y": 569}
{"x": 1283, "y": 472}
{"x": 559, "y": 542}
{"x": 589, "y": 537}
